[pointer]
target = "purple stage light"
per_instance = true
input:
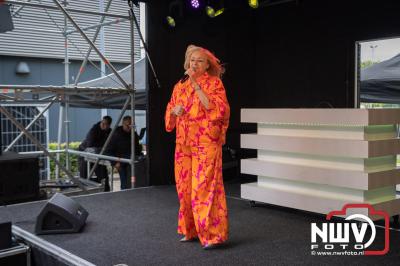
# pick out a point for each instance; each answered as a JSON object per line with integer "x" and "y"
{"x": 195, "y": 3}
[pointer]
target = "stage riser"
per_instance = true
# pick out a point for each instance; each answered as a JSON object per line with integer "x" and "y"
{"x": 318, "y": 160}
{"x": 348, "y": 178}
{"x": 316, "y": 204}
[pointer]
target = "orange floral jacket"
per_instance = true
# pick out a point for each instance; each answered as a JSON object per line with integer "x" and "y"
{"x": 198, "y": 125}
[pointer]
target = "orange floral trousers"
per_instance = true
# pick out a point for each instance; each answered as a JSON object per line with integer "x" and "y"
{"x": 203, "y": 211}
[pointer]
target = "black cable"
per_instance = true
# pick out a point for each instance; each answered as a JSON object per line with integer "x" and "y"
{"x": 132, "y": 14}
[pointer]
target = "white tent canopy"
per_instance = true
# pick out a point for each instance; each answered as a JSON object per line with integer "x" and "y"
{"x": 111, "y": 81}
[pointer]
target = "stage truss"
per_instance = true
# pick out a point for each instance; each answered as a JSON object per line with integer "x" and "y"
{"x": 20, "y": 94}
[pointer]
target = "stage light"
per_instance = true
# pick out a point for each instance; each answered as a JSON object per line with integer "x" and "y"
{"x": 215, "y": 9}
{"x": 170, "y": 21}
{"x": 195, "y": 3}
{"x": 253, "y": 3}
{"x": 175, "y": 13}
{"x": 22, "y": 68}
{"x": 210, "y": 11}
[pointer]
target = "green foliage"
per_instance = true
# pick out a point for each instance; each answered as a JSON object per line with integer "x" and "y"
{"x": 368, "y": 63}
{"x": 72, "y": 158}
{"x": 379, "y": 105}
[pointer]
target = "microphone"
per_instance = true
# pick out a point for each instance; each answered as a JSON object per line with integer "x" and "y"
{"x": 184, "y": 78}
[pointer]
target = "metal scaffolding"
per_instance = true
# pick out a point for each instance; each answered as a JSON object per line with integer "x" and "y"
{"x": 61, "y": 94}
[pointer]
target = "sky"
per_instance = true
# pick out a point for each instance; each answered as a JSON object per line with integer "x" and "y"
{"x": 380, "y": 50}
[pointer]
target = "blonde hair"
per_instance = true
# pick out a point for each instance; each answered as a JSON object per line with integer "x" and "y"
{"x": 215, "y": 68}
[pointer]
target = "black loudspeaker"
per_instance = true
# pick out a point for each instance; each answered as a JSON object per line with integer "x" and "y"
{"x": 61, "y": 215}
{"x": 19, "y": 178}
{"x": 5, "y": 235}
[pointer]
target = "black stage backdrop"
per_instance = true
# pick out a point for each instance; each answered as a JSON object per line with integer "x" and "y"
{"x": 290, "y": 55}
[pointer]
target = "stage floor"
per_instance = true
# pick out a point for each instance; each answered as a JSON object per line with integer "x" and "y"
{"x": 138, "y": 227}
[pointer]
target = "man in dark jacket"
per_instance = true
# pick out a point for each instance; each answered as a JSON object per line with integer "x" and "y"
{"x": 120, "y": 146}
{"x": 94, "y": 141}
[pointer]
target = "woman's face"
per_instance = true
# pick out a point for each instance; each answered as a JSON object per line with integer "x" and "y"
{"x": 198, "y": 63}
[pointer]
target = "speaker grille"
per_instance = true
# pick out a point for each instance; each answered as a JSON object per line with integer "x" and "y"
{"x": 53, "y": 221}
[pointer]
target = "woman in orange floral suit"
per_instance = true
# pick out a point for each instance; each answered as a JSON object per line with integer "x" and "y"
{"x": 199, "y": 110}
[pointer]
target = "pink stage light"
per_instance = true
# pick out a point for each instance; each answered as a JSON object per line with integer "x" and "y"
{"x": 195, "y": 3}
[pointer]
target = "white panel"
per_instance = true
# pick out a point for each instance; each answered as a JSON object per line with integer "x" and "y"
{"x": 320, "y": 159}
{"x": 373, "y": 164}
{"x": 302, "y": 202}
{"x": 312, "y": 160}
{"x": 355, "y": 132}
{"x": 329, "y": 132}
{"x": 320, "y": 146}
{"x": 322, "y": 116}
{"x": 328, "y": 191}
{"x": 335, "y": 177}
{"x": 311, "y": 203}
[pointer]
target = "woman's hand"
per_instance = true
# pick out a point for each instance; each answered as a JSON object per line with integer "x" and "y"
{"x": 192, "y": 74}
{"x": 177, "y": 110}
{"x": 196, "y": 87}
{"x": 193, "y": 78}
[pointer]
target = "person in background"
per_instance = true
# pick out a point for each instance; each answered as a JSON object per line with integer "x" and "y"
{"x": 199, "y": 110}
{"x": 94, "y": 141}
{"x": 120, "y": 146}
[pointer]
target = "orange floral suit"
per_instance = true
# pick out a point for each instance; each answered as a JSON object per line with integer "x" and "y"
{"x": 200, "y": 134}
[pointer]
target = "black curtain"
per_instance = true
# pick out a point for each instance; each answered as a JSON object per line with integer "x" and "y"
{"x": 298, "y": 54}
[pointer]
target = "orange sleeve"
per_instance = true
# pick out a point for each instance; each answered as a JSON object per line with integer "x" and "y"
{"x": 218, "y": 108}
{"x": 170, "y": 119}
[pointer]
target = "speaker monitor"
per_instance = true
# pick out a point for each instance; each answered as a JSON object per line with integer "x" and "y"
{"x": 61, "y": 215}
{"x": 19, "y": 178}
